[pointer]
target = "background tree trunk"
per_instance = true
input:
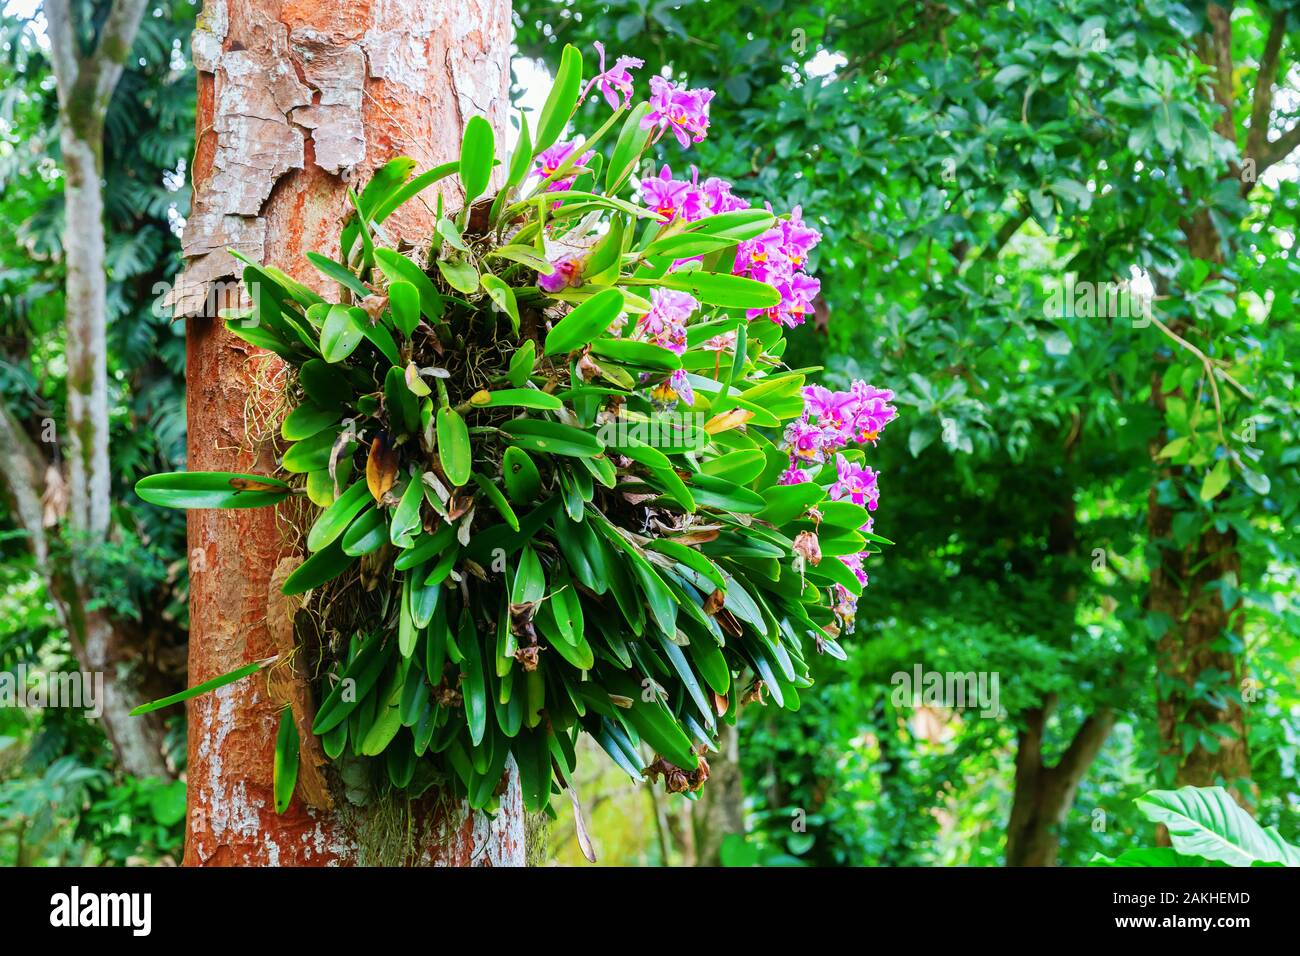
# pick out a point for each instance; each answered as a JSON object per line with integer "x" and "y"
{"x": 1044, "y": 795}
{"x": 297, "y": 99}
{"x": 85, "y": 81}
{"x": 1184, "y": 581}
{"x": 721, "y": 807}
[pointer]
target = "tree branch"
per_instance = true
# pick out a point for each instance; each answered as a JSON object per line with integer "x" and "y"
{"x": 1279, "y": 149}
{"x": 114, "y": 46}
{"x": 95, "y": 75}
{"x": 1261, "y": 107}
{"x": 1220, "y": 53}
{"x": 24, "y": 481}
{"x": 1083, "y": 749}
{"x": 64, "y": 57}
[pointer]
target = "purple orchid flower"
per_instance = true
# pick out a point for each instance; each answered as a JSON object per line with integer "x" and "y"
{"x": 855, "y": 482}
{"x": 797, "y": 238}
{"x": 567, "y": 274}
{"x": 794, "y": 475}
{"x": 671, "y": 198}
{"x": 834, "y": 410}
{"x": 550, "y": 160}
{"x": 685, "y": 112}
{"x": 805, "y": 440}
{"x": 665, "y": 323}
{"x": 854, "y": 563}
{"x": 873, "y": 411}
{"x": 719, "y": 198}
{"x": 615, "y": 80}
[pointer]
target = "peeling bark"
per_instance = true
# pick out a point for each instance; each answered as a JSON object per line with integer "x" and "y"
{"x": 297, "y": 98}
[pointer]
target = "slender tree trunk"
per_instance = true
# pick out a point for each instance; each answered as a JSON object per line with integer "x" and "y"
{"x": 721, "y": 807}
{"x": 85, "y": 80}
{"x": 1044, "y": 795}
{"x": 1184, "y": 580}
{"x": 297, "y": 99}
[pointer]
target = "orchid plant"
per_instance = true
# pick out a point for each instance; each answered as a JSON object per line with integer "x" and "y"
{"x": 561, "y": 438}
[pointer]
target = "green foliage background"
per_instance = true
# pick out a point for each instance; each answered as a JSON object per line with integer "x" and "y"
{"x": 961, "y": 159}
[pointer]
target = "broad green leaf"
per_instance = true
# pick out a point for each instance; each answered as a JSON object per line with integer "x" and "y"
{"x": 641, "y": 354}
{"x": 515, "y": 397}
{"x": 502, "y": 296}
{"x": 740, "y": 467}
{"x": 584, "y": 323}
{"x": 627, "y": 148}
{"x": 307, "y": 420}
{"x": 384, "y": 208}
{"x": 334, "y": 520}
{"x": 461, "y": 276}
{"x": 521, "y": 363}
{"x": 786, "y": 502}
{"x": 520, "y": 476}
{"x": 454, "y": 450}
{"x": 1206, "y": 822}
{"x": 406, "y": 516}
{"x": 425, "y": 547}
{"x": 211, "y": 489}
{"x": 340, "y": 335}
{"x": 736, "y": 292}
{"x": 552, "y": 438}
{"x": 367, "y": 534}
{"x": 529, "y": 582}
{"x": 498, "y": 500}
{"x": 561, "y": 101}
{"x": 1150, "y": 856}
{"x": 399, "y": 268}
{"x": 525, "y": 255}
{"x": 1216, "y": 480}
{"x": 404, "y": 300}
{"x": 312, "y": 454}
{"x": 521, "y": 160}
{"x": 449, "y": 231}
{"x": 476, "y": 153}
{"x": 402, "y": 404}
{"x": 284, "y": 772}
{"x": 739, "y": 224}
{"x": 711, "y": 492}
{"x": 325, "y": 384}
{"x": 324, "y": 565}
{"x": 340, "y": 274}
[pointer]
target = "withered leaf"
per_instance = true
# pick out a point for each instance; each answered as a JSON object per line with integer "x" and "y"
{"x": 244, "y": 484}
{"x": 381, "y": 467}
{"x": 457, "y": 506}
{"x": 727, "y": 420}
{"x": 580, "y": 826}
{"x": 730, "y": 623}
{"x": 696, "y": 537}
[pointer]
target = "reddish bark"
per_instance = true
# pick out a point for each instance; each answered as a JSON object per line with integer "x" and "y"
{"x": 297, "y": 98}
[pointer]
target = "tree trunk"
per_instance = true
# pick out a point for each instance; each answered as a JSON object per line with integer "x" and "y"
{"x": 721, "y": 807}
{"x": 1044, "y": 795}
{"x": 297, "y": 99}
{"x": 1184, "y": 581}
{"x": 85, "y": 84}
